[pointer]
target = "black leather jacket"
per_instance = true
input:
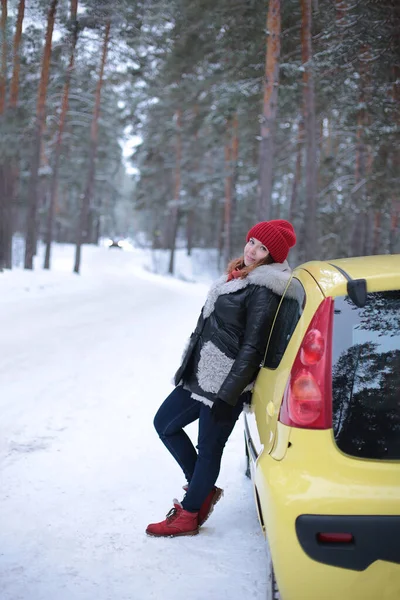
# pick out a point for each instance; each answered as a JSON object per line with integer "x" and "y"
{"x": 227, "y": 347}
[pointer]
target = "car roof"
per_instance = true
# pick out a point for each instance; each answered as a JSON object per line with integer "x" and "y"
{"x": 381, "y": 273}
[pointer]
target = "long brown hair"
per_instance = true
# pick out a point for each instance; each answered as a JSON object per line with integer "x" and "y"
{"x": 238, "y": 263}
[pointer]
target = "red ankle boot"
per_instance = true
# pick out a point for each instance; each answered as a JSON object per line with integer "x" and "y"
{"x": 178, "y": 522}
{"x": 208, "y": 505}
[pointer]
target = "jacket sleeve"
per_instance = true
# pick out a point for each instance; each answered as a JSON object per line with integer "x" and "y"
{"x": 261, "y": 308}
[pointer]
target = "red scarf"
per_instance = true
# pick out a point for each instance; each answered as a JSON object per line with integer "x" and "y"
{"x": 235, "y": 274}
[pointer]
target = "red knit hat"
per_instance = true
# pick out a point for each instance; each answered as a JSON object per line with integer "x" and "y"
{"x": 278, "y": 236}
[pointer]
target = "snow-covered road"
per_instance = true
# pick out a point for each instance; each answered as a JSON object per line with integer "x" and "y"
{"x": 84, "y": 364}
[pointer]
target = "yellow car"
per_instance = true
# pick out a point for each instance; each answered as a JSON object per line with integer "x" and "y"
{"x": 323, "y": 434}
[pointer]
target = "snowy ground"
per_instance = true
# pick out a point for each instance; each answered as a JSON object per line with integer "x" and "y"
{"x": 84, "y": 363}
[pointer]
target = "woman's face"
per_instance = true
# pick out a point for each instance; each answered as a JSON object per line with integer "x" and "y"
{"x": 254, "y": 251}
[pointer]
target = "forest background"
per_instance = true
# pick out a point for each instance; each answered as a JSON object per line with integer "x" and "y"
{"x": 183, "y": 122}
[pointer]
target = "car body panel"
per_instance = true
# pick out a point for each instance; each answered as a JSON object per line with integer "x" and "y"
{"x": 270, "y": 384}
{"x": 337, "y": 485}
{"x": 281, "y": 442}
{"x": 303, "y": 472}
{"x": 378, "y": 270}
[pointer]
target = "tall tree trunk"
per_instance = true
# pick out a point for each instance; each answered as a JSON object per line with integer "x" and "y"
{"x": 297, "y": 171}
{"x": 189, "y": 230}
{"x": 94, "y": 132}
{"x": 270, "y": 103}
{"x": 3, "y": 171}
{"x": 394, "y": 245}
{"x": 376, "y": 233}
{"x": 341, "y": 15}
{"x": 359, "y": 225}
{"x": 235, "y": 170}
{"x": 3, "y": 65}
{"x": 358, "y": 232}
{"x": 14, "y": 90}
{"x": 11, "y": 165}
{"x": 175, "y": 213}
{"x": 226, "y": 227}
{"x": 394, "y": 226}
{"x": 309, "y": 233}
{"x": 97, "y": 224}
{"x": 231, "y": 162}
{"x": 57, "y": 154}
{"x": 369, "y": 213}
{"x": 31, "y": 233}
{"x": 2, "y": 218}
{"x": 10, "y": 176}
{"x": 190, "y": 215}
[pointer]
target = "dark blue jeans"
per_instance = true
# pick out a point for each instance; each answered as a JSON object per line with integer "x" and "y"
{"x": 200, "y": 468}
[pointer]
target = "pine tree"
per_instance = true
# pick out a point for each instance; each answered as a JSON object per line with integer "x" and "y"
{"x": 31, "y": 235}
{"x": 270, "y": 106}
{"x": 83, "y": 225}
{"x": 63, "y": 115}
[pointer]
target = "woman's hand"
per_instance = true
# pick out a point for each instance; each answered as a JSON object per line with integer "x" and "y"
{"x": 221, "y": 411}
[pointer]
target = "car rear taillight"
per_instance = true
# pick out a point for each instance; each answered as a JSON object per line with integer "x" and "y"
{"x": 307, "y": 401}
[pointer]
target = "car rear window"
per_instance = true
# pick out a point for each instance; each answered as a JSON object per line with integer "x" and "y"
{"x": 366, "y": 376}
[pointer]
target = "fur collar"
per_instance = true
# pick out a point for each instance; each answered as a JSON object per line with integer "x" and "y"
{"x": 275, "y": 277}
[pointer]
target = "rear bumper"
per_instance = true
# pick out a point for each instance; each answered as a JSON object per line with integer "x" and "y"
{"x": 313, "y": 482}
{"x": 375, "y": 537}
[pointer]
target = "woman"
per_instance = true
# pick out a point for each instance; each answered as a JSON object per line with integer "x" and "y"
{"x": 219, "y": 368}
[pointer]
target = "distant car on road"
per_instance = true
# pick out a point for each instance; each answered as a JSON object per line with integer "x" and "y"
{"x": 116, "y": 244}
{"x": 323, "y": 434}
{"x": 121, "y": 243}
